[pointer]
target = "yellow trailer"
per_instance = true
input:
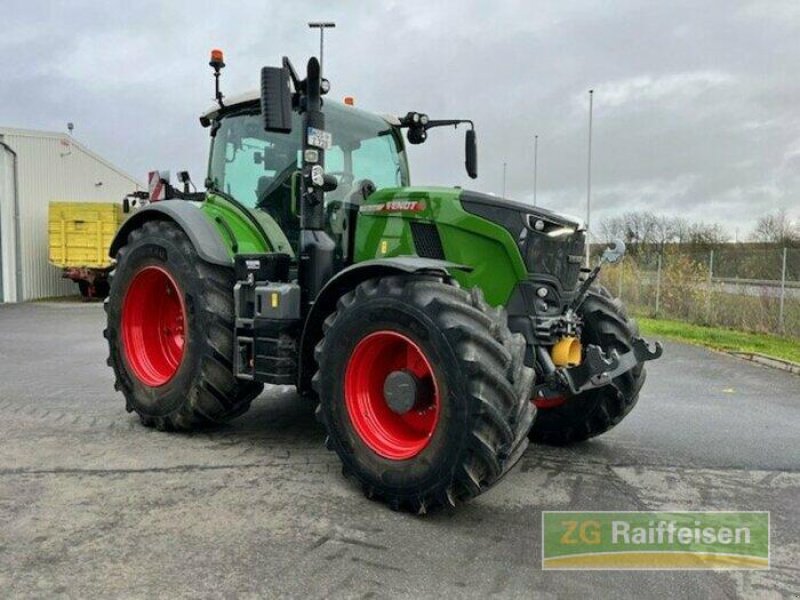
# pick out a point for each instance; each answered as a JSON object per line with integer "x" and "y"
{"x": 80, "y": 235}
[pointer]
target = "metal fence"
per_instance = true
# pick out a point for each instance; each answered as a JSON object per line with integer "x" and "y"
{"x": 746, "y": 287}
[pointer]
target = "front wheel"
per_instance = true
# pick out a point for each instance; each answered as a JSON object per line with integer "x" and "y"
{"x": 170, "y": 332}
{"x": 423, "y": 391}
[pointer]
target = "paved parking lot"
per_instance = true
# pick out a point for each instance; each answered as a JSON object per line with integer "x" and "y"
{"x": 94, "y": 505}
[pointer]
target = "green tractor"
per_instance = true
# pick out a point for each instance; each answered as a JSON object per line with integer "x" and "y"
{"x": 428, "y": 324}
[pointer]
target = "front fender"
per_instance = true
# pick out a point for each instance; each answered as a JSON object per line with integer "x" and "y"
{"x": 186, "y": 215}
{"x": 345, "y": 281}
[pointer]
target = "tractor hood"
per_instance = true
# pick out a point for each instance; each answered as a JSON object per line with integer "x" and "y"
{"x": 494, "y": 208}
{"x": 489, "y": 203}
{"x": 503, "y": 241}
{"x": 552, "y": 245}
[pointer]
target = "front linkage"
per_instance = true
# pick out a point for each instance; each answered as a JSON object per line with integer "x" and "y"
{"x": 584, "y": 369}
{"x": 599, "y": 368}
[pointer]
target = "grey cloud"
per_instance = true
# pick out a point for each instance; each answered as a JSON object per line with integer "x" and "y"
{"x": 695, "y": 103}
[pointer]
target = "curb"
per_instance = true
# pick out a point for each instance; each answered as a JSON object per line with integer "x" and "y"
{"x": 768, "y": 361}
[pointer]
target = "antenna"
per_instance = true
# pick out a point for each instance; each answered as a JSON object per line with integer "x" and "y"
{"x": 322, "y": 26}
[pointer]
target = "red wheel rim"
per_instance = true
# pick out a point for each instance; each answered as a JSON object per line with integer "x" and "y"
{"x": 153, "y": 326}
{"x": 549, "y": 401}
{"x": 389, "y": 434}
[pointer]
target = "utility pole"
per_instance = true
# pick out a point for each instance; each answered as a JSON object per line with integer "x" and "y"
{"x": 535, "y": 165}
{"x": 589, "y": 179}
{"x": 781, "y": 314}
{"x": 504, "y": 180}
{"x": 322, "y": 26}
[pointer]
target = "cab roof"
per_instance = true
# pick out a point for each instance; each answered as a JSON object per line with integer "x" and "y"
{"x": 254, "y": 96}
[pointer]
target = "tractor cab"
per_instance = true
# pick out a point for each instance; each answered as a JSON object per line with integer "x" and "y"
{"x": 261, "y": 169}
{"x": 309, "y": 164}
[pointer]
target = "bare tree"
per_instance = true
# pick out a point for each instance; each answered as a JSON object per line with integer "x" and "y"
{"x": 613, "y": 228}
{"x": 641, "y": 227}
{"x": 681, "y": 230}
{"x": 706, "y": 235}
{"x": 776, "y": 228}
{"x": 634, "y": 228}
{"x": 667, "y": 230}
{"x": 647, "y": 234}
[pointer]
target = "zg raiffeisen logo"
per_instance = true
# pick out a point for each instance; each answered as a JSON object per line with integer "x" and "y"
{"x": 655, "y": 540}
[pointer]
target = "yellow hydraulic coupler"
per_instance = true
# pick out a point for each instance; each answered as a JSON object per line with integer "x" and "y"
{"x": 567, "y": 352}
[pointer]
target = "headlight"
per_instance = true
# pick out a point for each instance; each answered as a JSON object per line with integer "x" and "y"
{"x": 560, "y": 231}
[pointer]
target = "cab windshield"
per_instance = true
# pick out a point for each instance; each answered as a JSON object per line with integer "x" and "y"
{"x": 256, "y": 167}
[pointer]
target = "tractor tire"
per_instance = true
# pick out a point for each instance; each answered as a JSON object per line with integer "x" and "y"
{"x": 170, "y": 333}
{"x": 101, "y": 288}
{"x": 423, "y": 391}
{"x": 595, "y": 411}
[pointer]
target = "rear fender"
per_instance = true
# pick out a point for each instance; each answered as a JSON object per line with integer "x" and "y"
{"x": 201, "y": 232}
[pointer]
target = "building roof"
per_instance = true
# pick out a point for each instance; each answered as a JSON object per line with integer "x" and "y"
{"x": 55, "y": 135}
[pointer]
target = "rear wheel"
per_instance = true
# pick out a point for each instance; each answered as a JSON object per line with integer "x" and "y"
{"x": 592, "y": 413}
{"x": 170, "y": 332}
{"x": 423, "y": 391}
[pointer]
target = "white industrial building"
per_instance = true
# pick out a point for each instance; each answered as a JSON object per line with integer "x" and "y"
{"x": 35, "y": 168}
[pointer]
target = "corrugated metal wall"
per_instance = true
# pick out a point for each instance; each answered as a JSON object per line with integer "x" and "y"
{"x": 55, "y": 167}
{"x": 7, "y": 226}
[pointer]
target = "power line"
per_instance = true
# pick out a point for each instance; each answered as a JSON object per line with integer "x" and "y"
{"x": 535, "y": 165}
{"x": 589, "y": 178}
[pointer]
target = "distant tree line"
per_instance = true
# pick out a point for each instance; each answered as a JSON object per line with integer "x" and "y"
{"x": 644, "y": 229}
{"x": 648, "y": 236}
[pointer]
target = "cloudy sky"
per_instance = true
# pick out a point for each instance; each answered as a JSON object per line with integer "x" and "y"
{"x": 697, "y": 103}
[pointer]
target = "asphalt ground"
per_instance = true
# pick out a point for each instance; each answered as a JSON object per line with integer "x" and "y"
{"x": 93, "y": 505}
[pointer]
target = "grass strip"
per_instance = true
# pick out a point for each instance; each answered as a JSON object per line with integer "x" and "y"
{"x": 722, "y": 339}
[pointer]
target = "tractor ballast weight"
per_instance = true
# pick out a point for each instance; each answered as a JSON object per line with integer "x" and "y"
{"x": 429, "y": 324}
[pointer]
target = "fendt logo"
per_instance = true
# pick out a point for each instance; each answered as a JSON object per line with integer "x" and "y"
{"x": 394, "y": 206}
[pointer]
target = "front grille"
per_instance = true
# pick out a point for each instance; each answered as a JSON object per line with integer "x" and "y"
{"x": 426, "y": 240}
{"x": 561, "y": 257}
{"x": 545, "y": 251}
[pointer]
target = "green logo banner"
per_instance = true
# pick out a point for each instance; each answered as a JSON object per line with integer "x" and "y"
{"x": 655, "y": 540}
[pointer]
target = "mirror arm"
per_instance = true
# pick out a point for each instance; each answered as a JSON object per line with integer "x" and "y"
{"x": 439, "y": 123}
{"x": 287, "y": 64}
{"x": 446, "y": 122}
{"x": 417, "y": 134}
{"x": 297, "y": 83}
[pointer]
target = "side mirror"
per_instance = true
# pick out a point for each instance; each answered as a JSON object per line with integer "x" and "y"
{"x": 276, "y": 100}
{"x": 471, "y": 154}
{"x": 613, "y": 252}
